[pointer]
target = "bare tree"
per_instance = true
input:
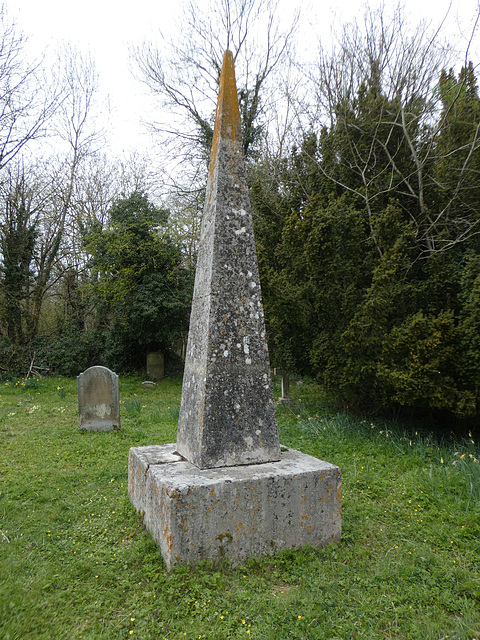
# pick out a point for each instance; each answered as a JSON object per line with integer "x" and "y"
{"x": 184, "y": 73}
{"x": 26, "y": 102}
{"x": 36, "y": 205}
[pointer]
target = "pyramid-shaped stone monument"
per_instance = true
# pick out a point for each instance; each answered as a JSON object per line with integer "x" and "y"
{"x": 226, "y": 489}
{"x": 227, "y": 415}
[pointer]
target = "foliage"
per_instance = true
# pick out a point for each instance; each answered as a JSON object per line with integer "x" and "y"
{"x": 18, "y": 236}
{"x": 142, "y": 290}
{"x": 458, "y": 152}
{"x": 368, "y": 288}
{"x": 406, "y": 565}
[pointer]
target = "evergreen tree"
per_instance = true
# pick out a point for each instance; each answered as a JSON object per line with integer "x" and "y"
{"x": 141, "y": 288}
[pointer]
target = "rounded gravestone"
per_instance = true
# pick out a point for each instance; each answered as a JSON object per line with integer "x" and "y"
{"x": 98, "y": 399}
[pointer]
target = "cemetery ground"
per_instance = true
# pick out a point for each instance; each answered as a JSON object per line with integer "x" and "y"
{"x": 76, "y": 562}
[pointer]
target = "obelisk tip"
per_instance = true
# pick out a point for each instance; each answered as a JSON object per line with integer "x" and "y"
{"x": 227, "y": 118}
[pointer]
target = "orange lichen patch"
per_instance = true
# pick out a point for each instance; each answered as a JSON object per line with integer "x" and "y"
{"x": 227, "y": 117}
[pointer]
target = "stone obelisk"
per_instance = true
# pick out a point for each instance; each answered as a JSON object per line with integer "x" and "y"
{"x": 225, "y": 489}
{"x": 227, "y": 415}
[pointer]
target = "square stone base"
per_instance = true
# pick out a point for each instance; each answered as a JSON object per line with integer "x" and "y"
{"x": 234, "y": 512}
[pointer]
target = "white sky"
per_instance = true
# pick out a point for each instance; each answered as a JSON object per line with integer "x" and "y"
{"x": 108, "y": 27}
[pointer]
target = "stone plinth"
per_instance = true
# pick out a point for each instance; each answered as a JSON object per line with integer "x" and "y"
{"x": 234, "y": 512}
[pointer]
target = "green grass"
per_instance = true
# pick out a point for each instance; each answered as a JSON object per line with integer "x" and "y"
{"x": 76, "y": 562}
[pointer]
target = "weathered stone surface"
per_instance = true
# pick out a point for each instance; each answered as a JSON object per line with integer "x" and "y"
{"x": 156, "y": 365}
{"x": 148, "y": 384}
{"x": 227, "y": 414}
{"x": 98, "y": 399}
{"x": 139, "y": 461}
{"x": 235, "y": 512}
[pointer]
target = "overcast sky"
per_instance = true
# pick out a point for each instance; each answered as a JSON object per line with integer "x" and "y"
{"x": 108, "y": 27}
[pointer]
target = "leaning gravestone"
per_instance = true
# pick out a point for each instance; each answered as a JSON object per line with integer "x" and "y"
{"x": 98, "y": 399}
{"x": 226, "y": 489}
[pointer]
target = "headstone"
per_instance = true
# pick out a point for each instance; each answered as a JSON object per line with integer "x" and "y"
{"x": 227, "y": 414}
{"x": 98, "y": 399}
{"x": 156, "y": 365}
{"x": 148, "y": 384}
{"x": 225, "y": 489}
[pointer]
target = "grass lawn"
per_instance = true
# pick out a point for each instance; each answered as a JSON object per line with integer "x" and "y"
{"x": 76, "y": 562}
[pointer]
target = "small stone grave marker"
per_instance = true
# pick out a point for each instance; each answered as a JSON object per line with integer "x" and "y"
{"x": 98, "y": 399}
{"x": 285, "y": 397}
{"x": 156, "y": 365}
